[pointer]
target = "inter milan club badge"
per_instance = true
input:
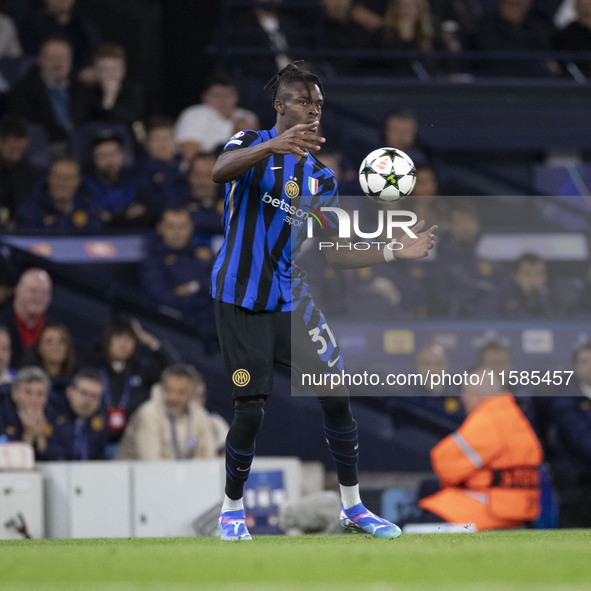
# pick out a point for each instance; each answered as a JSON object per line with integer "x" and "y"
{"x": 241, "y": 377}
{"x": 291, "y": 189}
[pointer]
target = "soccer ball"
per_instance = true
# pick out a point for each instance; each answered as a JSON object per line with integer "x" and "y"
{"x": 387, "y": 175}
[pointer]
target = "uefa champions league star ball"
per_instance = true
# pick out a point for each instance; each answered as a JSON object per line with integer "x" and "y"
{"x": 387, "y": 175}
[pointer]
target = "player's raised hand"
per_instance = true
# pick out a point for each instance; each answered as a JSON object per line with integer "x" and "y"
{"x": 298, "y": 139}
{"x": 419, "y": 247}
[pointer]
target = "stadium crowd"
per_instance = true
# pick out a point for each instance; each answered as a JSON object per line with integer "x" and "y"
{"x": 82, "y": 153}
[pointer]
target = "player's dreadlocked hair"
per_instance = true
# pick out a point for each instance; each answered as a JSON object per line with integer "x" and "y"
{"x": 290, "y": 74}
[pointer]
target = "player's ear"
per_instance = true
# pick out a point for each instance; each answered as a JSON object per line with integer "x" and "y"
{"x": 279, "y": 107}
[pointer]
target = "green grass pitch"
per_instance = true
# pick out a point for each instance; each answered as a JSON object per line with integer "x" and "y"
{"x": 527, "y": 559}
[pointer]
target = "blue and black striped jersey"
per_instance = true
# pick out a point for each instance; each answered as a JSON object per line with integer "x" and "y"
{"x": 265, "y": 221}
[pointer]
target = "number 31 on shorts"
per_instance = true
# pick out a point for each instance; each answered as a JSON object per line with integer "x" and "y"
{"x": 317, "y": 337}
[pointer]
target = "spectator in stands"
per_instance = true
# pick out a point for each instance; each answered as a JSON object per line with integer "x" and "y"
{"x": 402, "y": 292}
{"x": 50, "y": 96}
{"x": 400, "y": 25}
{"x": 116, "y": 189}
{"x": 114, "y": 98}
{"x": 26, "y": 318}
{"x": 461, "y": 278}
{"x": 22, "y": 414}
{"x": 200, "y": 195}
{"x": 489, "y": 468}
{"x": 170, "y": 426}
{"x": 130, "y": 362}
{"x": 217, "y": 424}
{"x": 59, "y": 18}
{"x": 426, "y": 202}
{"x": 176, "y": 270}
{"x": 428, "y": 400}
{"x": 455, "y": 21}
{"x": 577, "y": 35}
{"x": 17, "y": 175}
{"x": 494, "y": 355}
{"x": 400, "y": 130}
{"x": 60, "y": 205}
{"x": 334, "y": 290}
{"x": 54, "y": 353}
{"x": 79, "y": 428}
{"x": 526, "y": 295}
{"x": 159, "y": 174}
{"x": 513, "y": 27}
{"x": 569, "y": 447}
{"x": 9, "y": 43}
{"x": 564, "y": 13}
{"x": 8, "y": 277}
{"x": 271, "y": 26}
{"x": 204, "y": 127}
{"x": 407, "y": 24}
{"x": 340, "y": 31}
{"x": 6, "y": 372}
{"x": 346, "y": 174}
{"x": 427, "y": 184}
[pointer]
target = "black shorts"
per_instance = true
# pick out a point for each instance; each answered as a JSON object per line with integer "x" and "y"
{"x": 253, "y": 343}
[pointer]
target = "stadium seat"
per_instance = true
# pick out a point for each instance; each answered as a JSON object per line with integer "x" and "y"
{"x": 568, "y": 293}
{"x": 38, "y": 150}
{"x": 84, "y": 134}
{"x": 12, "y": 69}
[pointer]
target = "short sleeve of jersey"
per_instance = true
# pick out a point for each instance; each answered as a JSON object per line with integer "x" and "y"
{"x": 329, "y": 198}
{"x": 242, "y": 139}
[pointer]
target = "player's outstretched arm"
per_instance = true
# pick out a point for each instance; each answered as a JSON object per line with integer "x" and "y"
{"x": 412, "y": 248}
{"x": 295, "y": 140}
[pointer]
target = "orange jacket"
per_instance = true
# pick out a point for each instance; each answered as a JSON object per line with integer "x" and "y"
{"x": 488, "y": 469}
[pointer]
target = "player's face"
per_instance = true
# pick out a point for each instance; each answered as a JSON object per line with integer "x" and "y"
{"x": 583, "y": 367}
{"x": 177, "y": 392}
{"x": 31, "y": 396}
{"x": 300, "y": 103}
{"x": 85, "y": 397}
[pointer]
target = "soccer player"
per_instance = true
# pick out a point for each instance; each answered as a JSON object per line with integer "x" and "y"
{"x": 264, "y": 311}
